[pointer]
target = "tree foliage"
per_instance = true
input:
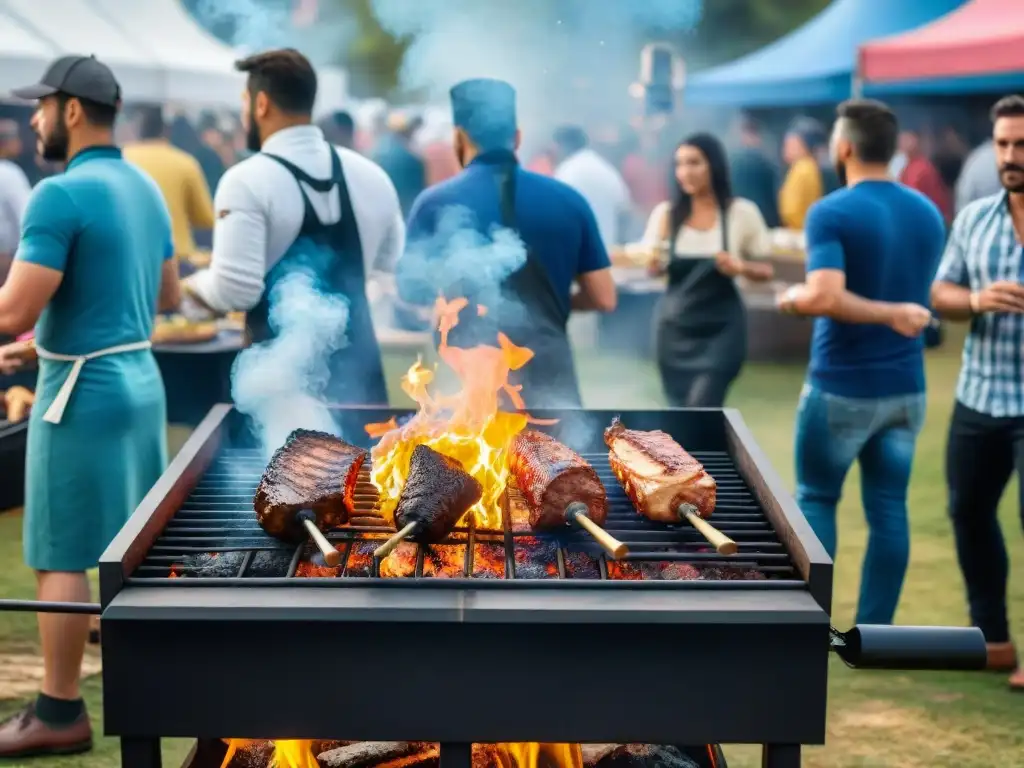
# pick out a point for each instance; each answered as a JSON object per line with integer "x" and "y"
{"x": 728, "y": 28}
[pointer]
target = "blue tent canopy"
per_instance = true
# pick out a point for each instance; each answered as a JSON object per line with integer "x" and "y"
{"x": 815, "y": 63}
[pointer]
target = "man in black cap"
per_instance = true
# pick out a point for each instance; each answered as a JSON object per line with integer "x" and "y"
{"x": 101, "y": 234}
{"x": 525, "y": 282}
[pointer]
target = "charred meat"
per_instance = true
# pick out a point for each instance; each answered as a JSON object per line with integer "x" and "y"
{"x": 657, "y": 474}
{"x": 551, "y": 476}
{"x": 437, "y": 493}
{"x": 312, "y": 470}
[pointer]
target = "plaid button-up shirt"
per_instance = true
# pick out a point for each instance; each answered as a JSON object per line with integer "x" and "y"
{"x": 983, "y": 249}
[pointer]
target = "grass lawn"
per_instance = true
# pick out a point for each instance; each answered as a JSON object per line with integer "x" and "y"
{"x": 876, "y": 719}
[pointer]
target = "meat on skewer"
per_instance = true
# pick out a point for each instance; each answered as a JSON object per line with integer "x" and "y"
{"x": 438, "y": 491}
{"x": 561, "y": 488}
{"x": 664, "y": 482}
{"x": 307, "y": 488}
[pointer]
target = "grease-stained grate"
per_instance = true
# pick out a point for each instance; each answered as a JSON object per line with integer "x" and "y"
{"x": 215, "y": 536}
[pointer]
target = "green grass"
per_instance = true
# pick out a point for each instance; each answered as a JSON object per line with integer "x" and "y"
{"x": 876, "y": 719}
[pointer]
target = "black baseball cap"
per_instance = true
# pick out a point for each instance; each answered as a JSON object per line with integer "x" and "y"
{"x": 84, "y": 77}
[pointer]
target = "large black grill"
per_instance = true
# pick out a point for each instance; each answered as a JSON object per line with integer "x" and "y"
{"x": 490, "y": 636}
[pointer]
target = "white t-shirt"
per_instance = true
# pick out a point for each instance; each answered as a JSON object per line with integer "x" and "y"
{"x": 602, "y": 186}
{"x": 14, "y": 194}
{"x": 749, "y": 237}
{"x": 259, "y": 215}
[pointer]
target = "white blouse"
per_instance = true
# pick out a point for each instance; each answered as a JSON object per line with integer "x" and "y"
{"x": 749, "y": 237}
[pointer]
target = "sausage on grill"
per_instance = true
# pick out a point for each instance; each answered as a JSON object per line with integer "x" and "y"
{"x": 657, "y": 474}
{"x": 311, "y": 471}
{"x": 551, "y": 476}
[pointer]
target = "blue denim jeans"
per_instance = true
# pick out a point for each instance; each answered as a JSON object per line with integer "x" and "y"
{"x": 831, "y": 433}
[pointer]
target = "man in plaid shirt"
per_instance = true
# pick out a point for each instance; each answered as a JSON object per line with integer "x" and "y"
{"x": 980, "y": 280}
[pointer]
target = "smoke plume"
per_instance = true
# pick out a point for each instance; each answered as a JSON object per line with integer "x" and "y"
{"x": 280, "y": 384}
{"x": 458, "y": 259}
{"x": 256, "y": 25}
{"x": 570, "y": 60}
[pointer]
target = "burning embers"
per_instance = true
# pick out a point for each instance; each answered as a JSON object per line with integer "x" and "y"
{"x": 412, "y": 754}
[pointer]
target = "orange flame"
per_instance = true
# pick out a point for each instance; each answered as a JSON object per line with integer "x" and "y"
{"x": 466, "y": 426}
{"x": 286, "y": 754}
{"x": 533, "y": 755}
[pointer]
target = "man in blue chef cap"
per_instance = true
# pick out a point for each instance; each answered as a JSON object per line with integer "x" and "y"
{"x": 459, "y": 246}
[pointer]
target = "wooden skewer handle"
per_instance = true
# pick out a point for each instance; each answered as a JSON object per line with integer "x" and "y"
{"x": 615, "y": 548}
{"x": 331, "y": 555}
{"x": 722, "y": 543}
{"x": 388, "y": 546}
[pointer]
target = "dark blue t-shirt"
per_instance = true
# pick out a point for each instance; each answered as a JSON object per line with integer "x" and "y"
{"x": 888, "y": 239}
{"x": 454, "y": 233}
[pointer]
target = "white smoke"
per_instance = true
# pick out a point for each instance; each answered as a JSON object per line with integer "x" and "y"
{"x": 280, "y": 384}
{"x": 569, "y": 60}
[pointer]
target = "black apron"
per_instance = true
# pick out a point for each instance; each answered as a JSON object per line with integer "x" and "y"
{"x": 700, "y": 329}
{"x": 334, "y": 253}
{"x": 529, "y": 311}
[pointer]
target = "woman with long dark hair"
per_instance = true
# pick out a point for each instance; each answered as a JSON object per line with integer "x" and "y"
{"x": 709, "y": 238}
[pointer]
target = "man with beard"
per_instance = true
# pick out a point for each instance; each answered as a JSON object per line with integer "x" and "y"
{"x": 300, "y": 203}
{"x": 979, "y": 281}
{"x": 872, "y": 249}
{"x": 91, "y": 271}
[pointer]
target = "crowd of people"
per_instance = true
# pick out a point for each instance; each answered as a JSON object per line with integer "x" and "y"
{"x": 94, "y": 254}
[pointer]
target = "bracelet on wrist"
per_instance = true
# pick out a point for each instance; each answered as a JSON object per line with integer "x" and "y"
{"x": 973, "y": 301}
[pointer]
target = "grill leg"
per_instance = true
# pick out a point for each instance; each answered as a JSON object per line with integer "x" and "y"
{"x": 140, "y": 753}
{"x": 455, "y": 755}
{"x": 780, "y": 756}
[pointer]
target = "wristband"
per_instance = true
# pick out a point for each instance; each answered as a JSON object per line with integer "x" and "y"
{"x": 974, "y": 302}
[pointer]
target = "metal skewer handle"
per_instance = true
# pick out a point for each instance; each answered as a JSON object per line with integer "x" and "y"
{"x": 331, "y": 555}
{"x": 578, "y": 513}
{"x": 388, "y": 546}
{"x": 723, "y": 544}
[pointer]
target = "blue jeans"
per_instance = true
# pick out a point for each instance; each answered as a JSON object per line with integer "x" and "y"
{"x": 831, "y": 433}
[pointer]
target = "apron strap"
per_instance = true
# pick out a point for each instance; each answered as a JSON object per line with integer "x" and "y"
{"x": 55, "y": 413}
{"x": 532, "y": 273}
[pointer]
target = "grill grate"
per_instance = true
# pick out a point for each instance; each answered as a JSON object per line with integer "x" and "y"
{"x": 214, "y": 536}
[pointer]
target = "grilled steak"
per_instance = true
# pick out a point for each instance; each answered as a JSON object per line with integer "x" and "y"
{"x": 657, "y": 474}
{"x": 312, "y": 470}
{"x": 437, "y": 493}
{"x": 551, "y": 476}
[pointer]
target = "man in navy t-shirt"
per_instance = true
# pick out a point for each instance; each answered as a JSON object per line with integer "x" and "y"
{"x": 525, "y": 246}
{"x": 872, "y": 251}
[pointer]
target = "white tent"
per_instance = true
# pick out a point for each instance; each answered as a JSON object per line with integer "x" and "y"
{"x": 22, "y": 55}
{"x": 157, "y": 50}
{"x": 197, "y": 67}
{"x": 68, "y": 25}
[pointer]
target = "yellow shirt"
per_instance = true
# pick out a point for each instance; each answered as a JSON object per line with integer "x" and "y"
{"x": 801, "y": 189}
{"x": 183, "y": 185}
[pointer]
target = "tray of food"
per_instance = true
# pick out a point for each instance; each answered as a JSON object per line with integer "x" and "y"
{"x": 178, "y": 329}
{"x": 15, "y": 404}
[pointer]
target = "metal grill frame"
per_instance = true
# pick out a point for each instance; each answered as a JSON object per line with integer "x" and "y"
{"x": 466, "y": 663}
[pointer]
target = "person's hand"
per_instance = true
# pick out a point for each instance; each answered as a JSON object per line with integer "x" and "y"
{"x": 729, "y": 265}
{"x": 910, "y": 320}
{"x": 1002, "y": 296}
{"x": 656, "y": 267}
{"x": 786, "y": 297}
{"x": 10, "y": 359}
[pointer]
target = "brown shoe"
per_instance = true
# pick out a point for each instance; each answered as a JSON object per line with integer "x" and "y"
{"x": 1017, "y": 680}
{"x": 25, "y": 735}
{"x": 1002, "y": 657}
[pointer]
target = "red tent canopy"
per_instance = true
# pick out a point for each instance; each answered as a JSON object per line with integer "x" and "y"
{"x": 983, "y": 37}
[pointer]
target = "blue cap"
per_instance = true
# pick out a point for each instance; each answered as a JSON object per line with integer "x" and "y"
{"x": 486, "y": 110}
